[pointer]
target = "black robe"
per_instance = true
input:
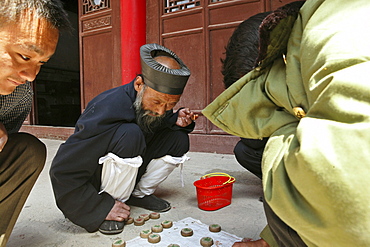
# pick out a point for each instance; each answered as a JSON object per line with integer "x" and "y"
{"x": 75, "y": 173}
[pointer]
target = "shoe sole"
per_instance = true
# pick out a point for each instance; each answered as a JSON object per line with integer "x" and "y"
{"x": 161, "y": 210}
{"x": 135, "y": 204}
{"x": 110, "y": 232}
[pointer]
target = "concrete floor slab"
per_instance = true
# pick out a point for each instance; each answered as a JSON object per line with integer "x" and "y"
{"x": 41, "y": 224}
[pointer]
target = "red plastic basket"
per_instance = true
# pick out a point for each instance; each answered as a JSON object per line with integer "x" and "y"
{"x": 214, "y": 192}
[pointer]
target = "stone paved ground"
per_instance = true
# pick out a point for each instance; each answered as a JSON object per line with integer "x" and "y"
{"x": 41, "y": 224}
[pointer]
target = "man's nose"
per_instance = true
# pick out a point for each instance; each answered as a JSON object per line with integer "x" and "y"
{"x": 161, "y": 110}
{"x": 29, "y": 73}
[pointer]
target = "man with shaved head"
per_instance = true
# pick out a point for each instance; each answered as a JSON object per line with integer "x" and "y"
{"x": 29, "y": 31}
{"x": 127, "y": 141}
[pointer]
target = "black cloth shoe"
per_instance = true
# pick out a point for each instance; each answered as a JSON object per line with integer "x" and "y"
{"x": 111, "y": 227}
{"x": 150, "y": 202}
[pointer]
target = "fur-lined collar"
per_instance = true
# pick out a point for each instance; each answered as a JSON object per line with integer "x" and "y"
{"x": 274, "y": 31}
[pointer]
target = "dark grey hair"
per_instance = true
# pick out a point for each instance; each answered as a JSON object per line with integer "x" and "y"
{"x": 51, "y": 10}
{"x": 242, "y": 49}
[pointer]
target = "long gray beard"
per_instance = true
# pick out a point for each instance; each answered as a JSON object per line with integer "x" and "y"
{"x": 146, "y": 122}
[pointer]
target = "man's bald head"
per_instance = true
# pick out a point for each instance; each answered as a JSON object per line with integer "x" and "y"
{"x": 169, "y": 62}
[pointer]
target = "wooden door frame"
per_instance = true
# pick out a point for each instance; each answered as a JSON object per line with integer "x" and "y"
{"x": 211, "y": 141}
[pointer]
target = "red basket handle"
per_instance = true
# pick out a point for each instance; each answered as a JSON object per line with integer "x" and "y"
{"x": 222, "y": 174}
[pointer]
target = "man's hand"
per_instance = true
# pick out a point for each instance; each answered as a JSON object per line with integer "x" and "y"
{"x": 3, "y": 136}
{"x": 185, "y": 117}
{"x": 119, "y": 212}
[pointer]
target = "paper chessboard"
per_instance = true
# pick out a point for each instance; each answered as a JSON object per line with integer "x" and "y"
{"x": 173, "y": 236}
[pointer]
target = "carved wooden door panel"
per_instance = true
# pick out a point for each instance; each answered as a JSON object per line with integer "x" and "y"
{"x": 198, "y": 31}
{"x": 99, "y": 47}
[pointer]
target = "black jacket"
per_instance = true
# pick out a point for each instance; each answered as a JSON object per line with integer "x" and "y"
{"x": 75, "y": 172}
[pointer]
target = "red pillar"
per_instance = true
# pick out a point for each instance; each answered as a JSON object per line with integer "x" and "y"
{"x": 133, "y": 35}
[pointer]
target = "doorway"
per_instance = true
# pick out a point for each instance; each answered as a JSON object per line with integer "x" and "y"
{"x": 57, "y": 86}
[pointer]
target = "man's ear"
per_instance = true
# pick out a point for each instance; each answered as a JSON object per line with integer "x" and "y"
{"x": 138, "y": 83}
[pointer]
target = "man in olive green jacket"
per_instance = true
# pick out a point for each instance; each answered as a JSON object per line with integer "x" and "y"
{"x": 310, "y": 94}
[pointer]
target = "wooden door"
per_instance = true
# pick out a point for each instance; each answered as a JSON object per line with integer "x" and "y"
{"x": 198, "y": 31}
{"x": 100, "y": 47}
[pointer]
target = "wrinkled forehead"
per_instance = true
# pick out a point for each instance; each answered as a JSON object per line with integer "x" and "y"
{"x": 35, "y": 24}
{"x": 31, "y": 32}
{"x": 162, "y": 97}
{"x": 27, "y": 22}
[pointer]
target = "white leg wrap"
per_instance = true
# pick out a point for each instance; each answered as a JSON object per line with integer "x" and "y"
{"x": 156, "y": 172}
{"x": 119, "y": 175}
